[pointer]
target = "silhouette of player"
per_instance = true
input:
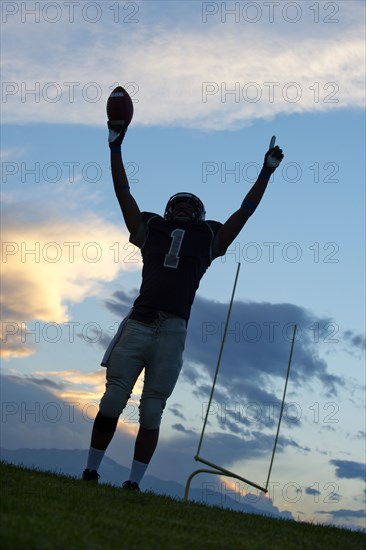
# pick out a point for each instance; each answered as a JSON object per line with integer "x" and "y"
{"x": 177, "y": 248}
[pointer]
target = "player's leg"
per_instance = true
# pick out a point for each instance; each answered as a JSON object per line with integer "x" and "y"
{"x": 145, "y": 445}
{"x": 161, "y": 375}
{"x": 124, "y": 367}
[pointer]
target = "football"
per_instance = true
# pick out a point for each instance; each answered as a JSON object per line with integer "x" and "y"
{"x": 120, "y": 107}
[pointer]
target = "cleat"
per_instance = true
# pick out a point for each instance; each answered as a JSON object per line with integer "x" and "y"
{"x": 131, "y": 485}
{"x": 90, "y": 475}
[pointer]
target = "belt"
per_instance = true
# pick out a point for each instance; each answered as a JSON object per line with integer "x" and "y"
{"x": 153, "y": 316}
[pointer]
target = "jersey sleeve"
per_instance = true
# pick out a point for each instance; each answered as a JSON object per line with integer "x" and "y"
{"x": 139, "y": 237}
{"x": 215, "y": 251}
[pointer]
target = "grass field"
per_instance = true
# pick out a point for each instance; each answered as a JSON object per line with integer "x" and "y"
{"x": 42, "y": 510}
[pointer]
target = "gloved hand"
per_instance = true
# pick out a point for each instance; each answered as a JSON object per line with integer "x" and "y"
{"x": 273, "y": 157}
{"x": 116, "y": 135}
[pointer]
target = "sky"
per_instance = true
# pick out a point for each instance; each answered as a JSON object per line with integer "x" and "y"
{"x": 211, "y": 83}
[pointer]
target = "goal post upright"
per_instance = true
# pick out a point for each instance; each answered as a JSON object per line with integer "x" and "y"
{"x": 219, "y": 359}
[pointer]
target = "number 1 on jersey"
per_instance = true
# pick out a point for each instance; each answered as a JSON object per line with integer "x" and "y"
{"x": 172, "y": 258}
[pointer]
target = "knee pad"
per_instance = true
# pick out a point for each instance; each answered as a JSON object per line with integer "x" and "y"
{"x": 150, "y": 412}
{"x": 113, "y": 402}
{"x": 104, "y": 424}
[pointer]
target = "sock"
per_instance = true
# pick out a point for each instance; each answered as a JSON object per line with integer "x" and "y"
{"x": 138, "y": 470}
{"x": 95, "y": 457}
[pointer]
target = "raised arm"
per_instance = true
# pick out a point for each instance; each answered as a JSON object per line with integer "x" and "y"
{"x": 130, "y": 210}
{"x": 232, "y": 227}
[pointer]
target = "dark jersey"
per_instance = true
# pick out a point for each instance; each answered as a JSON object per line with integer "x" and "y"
{"x": 175, "y": 257}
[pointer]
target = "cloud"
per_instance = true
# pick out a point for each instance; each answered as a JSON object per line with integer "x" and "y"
{"x": 121, "y": 302}
{"x": 180, "y": 428}
{"x": 355, "y": 344}
{"x": 256, "y": 350}
{"x": 344, "y": 513}
{"x": 349, "y": 469}
{"x": 233, "y": 81}
{"x": 12, "y": 153}
{"x": 360, "y": 435}
{"x": 175, "y": 410}
{"x": 56, "y": 410}
{"x": 35, "y": 417}
{"x": 310, "y": 491}
{"x": 225, "y": 448}
{"x": 50, "y": 262}
{"x": 82, "y": 389}
{"x": 257, "y": 347}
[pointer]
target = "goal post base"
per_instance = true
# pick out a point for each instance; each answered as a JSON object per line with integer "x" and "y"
{"x": 217, "y": 470}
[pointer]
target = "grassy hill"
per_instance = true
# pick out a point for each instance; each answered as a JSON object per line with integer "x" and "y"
{"x": 41, "y": 510}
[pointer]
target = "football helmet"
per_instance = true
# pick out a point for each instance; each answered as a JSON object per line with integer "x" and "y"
{"x": 197, "y": 211}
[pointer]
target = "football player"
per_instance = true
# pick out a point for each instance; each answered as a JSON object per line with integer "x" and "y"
{"x": 177, "y": 248}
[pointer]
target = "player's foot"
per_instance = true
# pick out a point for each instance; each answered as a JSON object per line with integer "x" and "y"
{"x": 132, "y": 485}
{"x": 90, "y": 475}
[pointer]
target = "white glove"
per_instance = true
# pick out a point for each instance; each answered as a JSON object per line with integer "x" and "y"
{"x": 273, "y": 157}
